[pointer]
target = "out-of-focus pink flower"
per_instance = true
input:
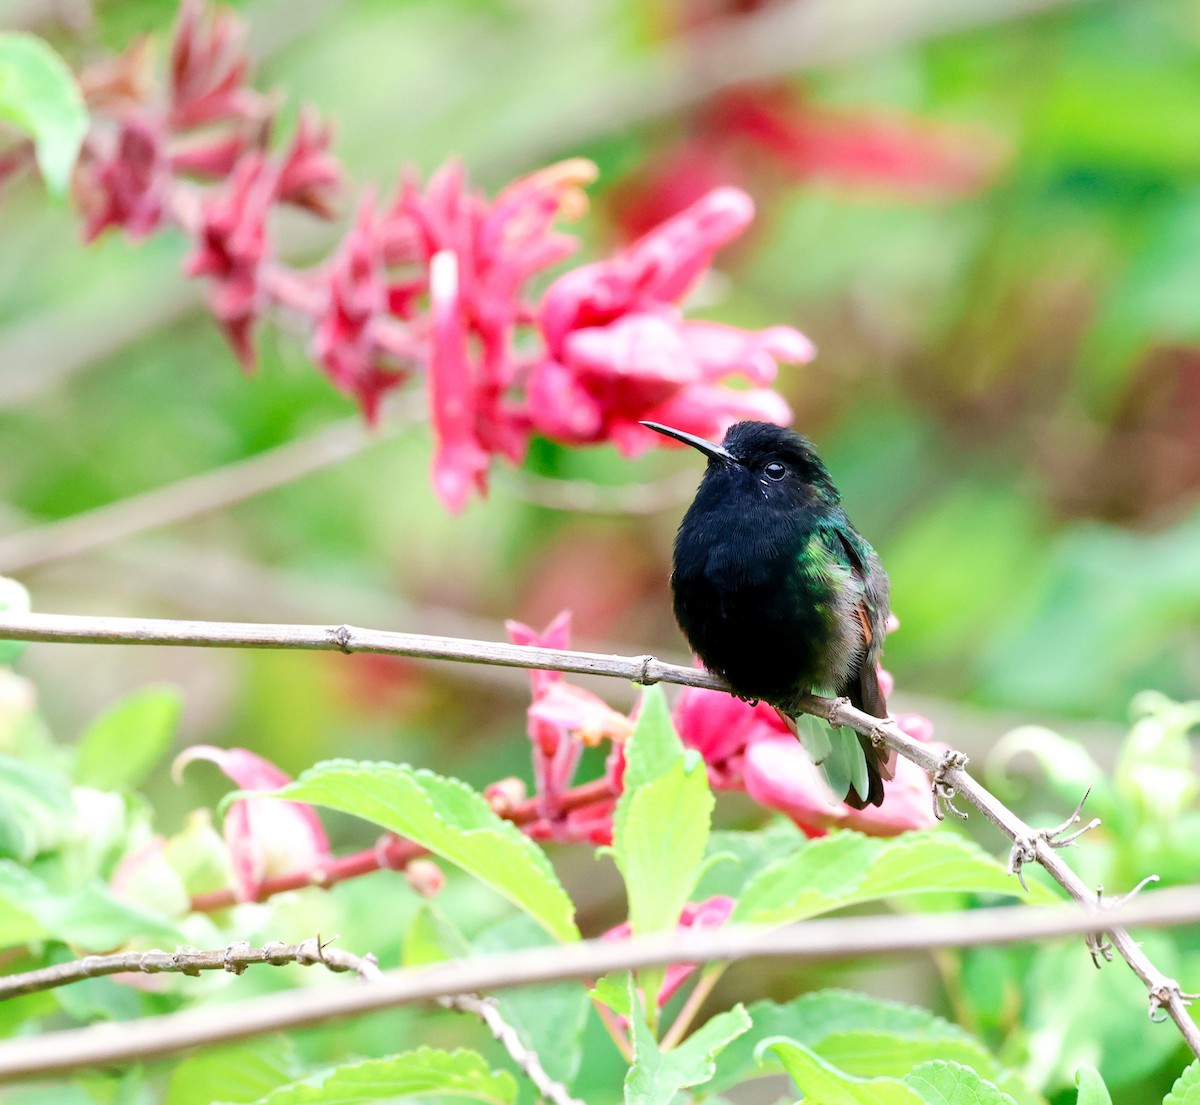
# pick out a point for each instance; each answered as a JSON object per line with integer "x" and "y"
{"x": 346, "y": 339}
{"x": 231, "y": 246}
{"x": 712, "y": 913}
{"x": 618, "y": 349}
{"x": 563, "y": 718}
{"x": 720, "y": 727}
{"x": 265, "y": 836}
{"x": 779, "y": 775}
{"x": 209, "y": 69}
{"x": 309, "y": 175}
{"x": 127, "y": 187}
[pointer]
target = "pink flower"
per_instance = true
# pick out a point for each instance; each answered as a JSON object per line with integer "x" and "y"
{"x": 209, "y": 69}
{"x": 712, "y": 913}
{"x": 265, "y": 837}
{"x": 780, "y": 776}
{"x": 231, "y": 246}
{"x": 618, "y": 349}
{"x": 127, "y": 187}
{"x": 721, "y": 727}
{"x": 478, "y": 257}
{"x": 347, "y": 338}
{"x": 563, "y": 718}
{"x": 309, "y": 175}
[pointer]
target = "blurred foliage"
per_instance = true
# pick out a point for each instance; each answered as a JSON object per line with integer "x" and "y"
{"x": 1007, "y": 392}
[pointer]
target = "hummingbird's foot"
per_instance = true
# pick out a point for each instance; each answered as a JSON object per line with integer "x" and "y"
{"x": 1024, "y": 849}
{"x": 836, "y": 706}
{"x": 944, "y": 791}
{"x": 1101, "y": 947}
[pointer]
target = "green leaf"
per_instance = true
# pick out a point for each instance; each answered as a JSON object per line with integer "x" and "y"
{"x": 239, "y": 1074}
{"x": 123, "y": 745}
{"x": 36, "y": 810}
{"x": 424, "y": 1072}
{"x": 1092, "y": 1090}
{"x": 39, "y": 95}
{"x": 653, "y": 746}
{"x": 847, "y": 868}
{"x": 452, "y": 821}
{"x": 88, "y": 917}
{"x": 657, "y": 1076}
{"x": 1186, "y": 1090}
{"x": 942, "y": 1083}
{"x": 733, "y": 858}
{"x": 613, "y": 991}
{"x": 432, "y": 938}
{"x": 659, "y": 844}
{"x": 14, "y": 599}
{"x": 861, "y": 1035}
{"x": 821, "y": 1082}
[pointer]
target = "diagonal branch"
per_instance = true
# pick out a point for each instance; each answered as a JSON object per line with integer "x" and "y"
{"x": 811, "y": 941}
{"x": 949, "y": 771}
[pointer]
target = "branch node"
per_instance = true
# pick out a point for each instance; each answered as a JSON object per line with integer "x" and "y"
{"x": 342, "y": 637}
{"x": 878, "y": 737}
{"x": 276, "y": 953}
{"x": 235, "y": 956}
{"x": 944, "y": 790}
{"x": 836, "y": 706}
{"x": 643, "y": 677}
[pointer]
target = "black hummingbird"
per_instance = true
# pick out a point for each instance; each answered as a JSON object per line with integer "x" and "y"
{"x": 776, "y": 591}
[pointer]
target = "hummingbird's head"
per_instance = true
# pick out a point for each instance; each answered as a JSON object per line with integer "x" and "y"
{"x": 782, "y": 463}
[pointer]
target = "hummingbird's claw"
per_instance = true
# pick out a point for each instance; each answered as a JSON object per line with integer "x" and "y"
{"x": 944, "y": 791}
{"x": 1024, "y": 849}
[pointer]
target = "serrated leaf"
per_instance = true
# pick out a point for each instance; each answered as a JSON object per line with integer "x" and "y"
{"x": 657, "y": 1076}
{"x": 1186, "y": 1090}
{"x": 847, "y": 868}
{"x": 123, "y": 745}
{"x": 822, "y": 1082}
{"x": 39, "y": 95}
{"x": 653, "y": 746}
{"x": 613, "y": 991}
{"x": 13, "y": 597}
{"x": 234, "y": 1075}
{"x": 87, "y": 917}
{"x": 943, "y": 1083}
{"x": 1093, "y": 1091}
{"x": 732, "y": 858}
{"x": 424, "y": 1072}
{"x": 36, "y": 810}
{"x": 841, "y": 1026}
{"x": 659, "y": 844}
{"x": 452, "y": 821}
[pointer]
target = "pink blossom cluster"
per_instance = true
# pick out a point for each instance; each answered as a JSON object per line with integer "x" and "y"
{"x": 437, "y": 281}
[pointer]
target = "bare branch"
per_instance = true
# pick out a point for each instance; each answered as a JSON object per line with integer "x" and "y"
{"x": 188, "y": 961}
{"x": 810, "y": 941}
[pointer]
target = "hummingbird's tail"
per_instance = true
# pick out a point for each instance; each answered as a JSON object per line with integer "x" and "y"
{"x": 866, "y": 694}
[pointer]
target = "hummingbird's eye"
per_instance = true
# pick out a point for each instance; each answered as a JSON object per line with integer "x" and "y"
{"x": 775, "y": 470}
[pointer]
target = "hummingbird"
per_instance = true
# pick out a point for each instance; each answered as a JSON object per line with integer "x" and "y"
{"x": 777, "y": 592}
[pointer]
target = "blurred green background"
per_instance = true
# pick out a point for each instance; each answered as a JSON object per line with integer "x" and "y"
{"x": 986, "y": 215}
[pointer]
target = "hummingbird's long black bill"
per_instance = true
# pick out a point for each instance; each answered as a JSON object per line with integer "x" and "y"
{"x": 708, "y": 448}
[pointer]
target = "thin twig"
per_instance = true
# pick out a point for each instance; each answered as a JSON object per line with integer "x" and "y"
{"x": 189, "y": 961}
{"x": 1165, "y": 993}
{"x": 488, "y": 1011}
{"x": 810, "y": 941}
{"x": 201, "y": 494}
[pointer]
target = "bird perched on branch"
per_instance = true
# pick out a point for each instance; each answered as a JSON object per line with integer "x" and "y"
{"x": 776, "y": 591}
